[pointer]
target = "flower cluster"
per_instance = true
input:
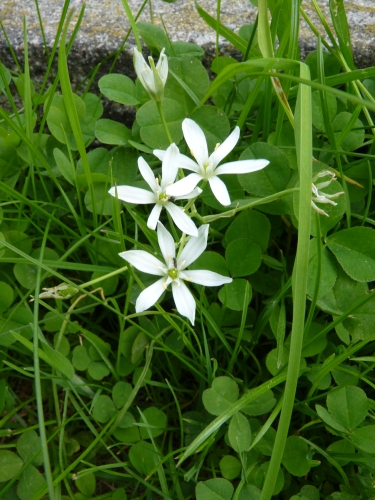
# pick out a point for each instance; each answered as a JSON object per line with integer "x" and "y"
{"x": 321, "y": 197}
{"x": 166, "y": 190}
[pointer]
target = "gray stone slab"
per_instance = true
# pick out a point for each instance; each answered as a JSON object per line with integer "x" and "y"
{"x": 105, "y": 25}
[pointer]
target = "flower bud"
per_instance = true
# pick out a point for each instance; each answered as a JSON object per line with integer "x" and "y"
{"x": 152, "y": 77}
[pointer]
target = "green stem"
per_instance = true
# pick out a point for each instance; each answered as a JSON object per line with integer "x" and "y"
{"x": 164, "y": 122}
{"x": 304, "y": 154}
{"x": 132, "y": 23}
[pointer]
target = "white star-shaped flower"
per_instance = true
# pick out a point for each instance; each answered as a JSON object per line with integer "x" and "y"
{"x": 152, "y": 78}
{"x": 319, "y": 196}
{"x": 206, "y": 167}
{"x": 158, "y": 194}
{"x": 173, "y": 271}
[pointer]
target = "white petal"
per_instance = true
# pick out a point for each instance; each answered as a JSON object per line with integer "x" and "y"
{"x": 196, "y": 140}
{"x": 159, "y": 153}
{"x": 154, "y": 217}
{"x": 196, "y": 192}
{"x": 220, "y": 190}
{"x": 184, "y": 301}
{"x": 148, "y": 81}
{"x": 150, "y": 295}
{"x": 188, "y": 164}
{"x": 133, "y": 195}
{"x": 184, "y": 186}
{"x": 145, "y": 262}
{"x": 147, "y": 174}
{"x": 241, "y": 167}
{"x": 166, "y": 244}
{"x": 181, "y": 219}
{"x": 207, "y": 278}
{"x": 162, "y": 66}
{"x": 140, "y": 64}
{"x": 225, "y": 148}
{"x": 170, "y": 165}
{"x": 194, "y": 248}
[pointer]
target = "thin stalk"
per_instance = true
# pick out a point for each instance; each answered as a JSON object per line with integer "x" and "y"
{"x": 132, "y": 23}
{"x": 164, "y": 122}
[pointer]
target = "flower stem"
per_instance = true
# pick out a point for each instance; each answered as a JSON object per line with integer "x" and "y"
{"x": 164, "y": 122}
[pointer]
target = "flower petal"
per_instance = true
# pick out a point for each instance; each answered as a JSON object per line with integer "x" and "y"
{"x": 159, "y": 153}
{"x": 225, "y": 148}
{"x": 154, "y": 217}
{"x": 140, "y": 64}
{"x": 170, "y": 166}
{"x": 196, "y": 192}
{"x": 181, "y": 219}
{"x": 166, "y": 244}
{"x": 147, "y": 174}
{"x": 220, "y": 190}
{"x": 193, "y": 248}
{"x": 188, "y": 164}
{"x": 184, "y": 186}
{"x": 196, "y": 140}
{"x": 162, "y": 66}
{"x": 150, "y": 295}
{"x": 184, "y": 301}
{"x": 241, "y": 167}
{"x": 132, "y": 194}
{"x": 145, "y": 262}
{"x": 207, "y": 278}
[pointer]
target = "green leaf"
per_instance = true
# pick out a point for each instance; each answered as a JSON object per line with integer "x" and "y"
{"x": 343, "y": 447}
{"x": 10, "y": 464}
{"x": 249, "y": 492}
{"x": 214, "y": 489}
{"x": 153, "y": 36}
{"x": 239, "y": 433}
{"x": 86, "y": 484}
{"x": 98, "y": 370}
{"x": 58, "y": 361}
{"x": 314, "y": 342}
{"x": 6, "y": 296}
{"x": 143, "y": 457}
{"x": 340, "y": 23}
{"x": 211, "y": 261}
{"x": 138, "y": 347}
{"x": 233, "y": 294}
{"x": 243, "y": 257}
{"x": 295, "y": 456}
{"x": 112, "y": 132}
{"x": 156, "y": 423}
{"x": 354, "y": 248}
{"x": 151, "y": 127}
{"x": 25, "y": 275}
{"x": 260, "y": 476}
{"x": 80, "y": 358}
{"x": 328, "y": 272}
{"x": 348, "y": 406}
{"x": 120, "y": 393}
{"x": 180, "y": 48}
{"x": 28, "y": 445}
{"x": 214, "y": 123}
{"x": 328, "y": 419}
{"x": 261, "y": 405}
{"x": 252, "y": 224}
{"x": 230, "y": 467}
{"x": 58, "y": 120}
{"x": 64, "y": 165}
{"x": 5, "y": 77}
{"x": 118, "y": 88}
{"x": 317, "y": 113}
{"x": 104, "y": 409}
{"x": 223, "y": 393}
{"x": 30, "y": 483}
{"x": 364, "y": 438}
{"x": 103, "y": 200}
{"x": 354, "y": 139}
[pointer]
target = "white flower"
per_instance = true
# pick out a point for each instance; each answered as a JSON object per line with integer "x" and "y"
{"x": 158, "y": 194}
{"x": 152, "y": 78}
{"x": 173, "y": 271}
{"x": 206, "y": 167}
{"x": 319, "y": 196}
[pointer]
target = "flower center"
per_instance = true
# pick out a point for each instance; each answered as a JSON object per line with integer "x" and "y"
{"x": 173, "y": 273}
{"x": 163, "y": 197}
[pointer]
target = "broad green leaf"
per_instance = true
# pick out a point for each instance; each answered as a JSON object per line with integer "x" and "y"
{"x": 348, "y": 406}
{"x": 314, "y": 342}
{"x": 295, "y": 456}
{"x": 103, "y": 200}
{"x": 28, "y": 445}
{"x": 233, "y": 295}
{"x": 156, "y": 423}
{"x": 223, "y": 393}
{"x": 344, "y": 447}
{"x": 214, "y": 489}
{"x": 137, "y": 374}
{"x": 86, "y": 484}
{"x": 249, "y": 492}
{"x": 58, "y": 120}
{"x": 25, "y": 275}
{"x": 239, "y": 433}
{"x": 5, "y": 77}
{"x": 261, "y": 405}
{"x": 315, "y": 374}
{"x": 104, "y": 409}
{"x": 260, "y": 476}
{"x": 143, "y": 457}
{"x": 80, "y": 358}
{"x": 112, "y": 132}
{"x": 10, "y": 464}
{"x": 346, "y": 374}
{"x": 151, "y": 126}
{"x": 58, "y": 361}
{"x": 252, "y": 225}
{"x": 6, "y": 296}
{"x": 230, "y": 467}
{"x": 119, "y": 494}
{"x": 64, "y": 165}
{"x": 98, "y": 370}
{"x": 354, "y": 248}
{"x": 211, "y": 261}
{"x": 118, "y": 88}
{"x": 331, "y": 65}
{"x": 317, "y": 113}
{"x": 243, "y": 257}
{"x": 328, "y": 419}
{"x": 30, "y": 483}
{"x": 21, "y": 325}
{"x": 328, "y": 272}
{"x": 109, "y": 285}
{"x": 138, "y": 347}
{"x": 354, "y": 139}
{"x": 364, "y": 438}
{"x": 153, "y": 36}
{"x": 19, "y": 240}
{"x": 120, "y": 393}
{"x": 180, "y": 48}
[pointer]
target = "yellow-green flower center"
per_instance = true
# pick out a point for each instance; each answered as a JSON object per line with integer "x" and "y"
{"x": 163, "y": 197}
{"x": 173, "y": 273}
